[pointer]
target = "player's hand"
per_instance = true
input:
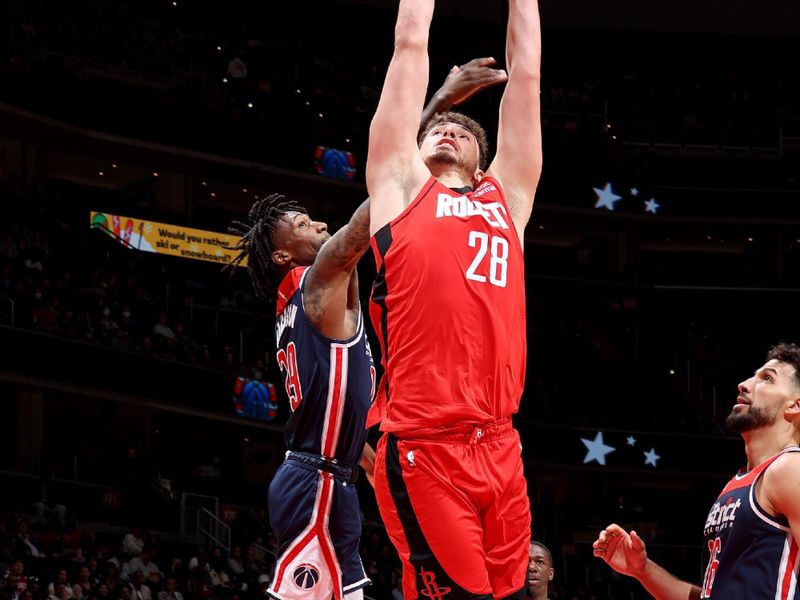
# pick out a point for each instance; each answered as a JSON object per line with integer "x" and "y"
{"x": 624, "y": 552}
{"x": 465, "y": 81}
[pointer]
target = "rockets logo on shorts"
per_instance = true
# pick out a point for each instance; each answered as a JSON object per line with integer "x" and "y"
{"x": 432, "y": 591}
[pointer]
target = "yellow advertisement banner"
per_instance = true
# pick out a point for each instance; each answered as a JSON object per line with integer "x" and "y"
{"x": 164, "y": 238}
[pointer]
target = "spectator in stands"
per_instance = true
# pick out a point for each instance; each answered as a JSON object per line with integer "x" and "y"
{"x": 11, "y": 591}
{"x": 235, "y": 563}
{"x": 198, "y": 559}
{"x": 123, "y": 592}
{"x": 162, "y": 330}
{"x": 60, "y": 591}
{"x": 63, "y": 580}
{"x": 170, "y": 591}
{"x": 65, "y": 549}
{"x": 133, "y": 543}
{"x": 111, "y": 575}
{"x": 25, "y": 545}
{"x": 101, "y": 592}
{"x": 199, "y": 582}
{"x": 218, "y": 577}
{"x": 139, "y": 591}
{"x": 84, "y": 582}
{"x": 144, "y": 564}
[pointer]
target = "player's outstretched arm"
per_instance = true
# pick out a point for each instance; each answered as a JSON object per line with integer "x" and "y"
{"x": 518, "y": 161}
{"x": 461, "y": 84}
{"x": 395, "y": 170}
{"x": 625, "y": 553}
{"x": 331, "y": 287}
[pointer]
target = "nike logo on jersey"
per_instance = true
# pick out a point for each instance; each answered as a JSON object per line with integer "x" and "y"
{"x": 721, "y": 515}
{"x": 462, "y": 207}
{"x": 285, "y": 320}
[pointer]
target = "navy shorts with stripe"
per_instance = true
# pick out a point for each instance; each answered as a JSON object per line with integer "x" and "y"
{"x": 294, "y": 500}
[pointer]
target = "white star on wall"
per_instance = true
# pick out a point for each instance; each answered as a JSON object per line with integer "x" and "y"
{"x": 651, "y": 206}
{"x": 634, "y": 192}
{"x": 631, "y": 440}
{"x": 651, "y": 458}
{"x": 605, "y": 197}
{"x": 597, "y": 449}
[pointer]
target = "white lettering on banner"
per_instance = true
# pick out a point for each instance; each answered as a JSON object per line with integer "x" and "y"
{"x": 462, "y": 207}
{"x": 285, "y": 320}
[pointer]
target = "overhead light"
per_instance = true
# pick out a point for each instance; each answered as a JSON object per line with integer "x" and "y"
{"x": 155, "y": 173}
{"x": 213, "y": 194}
{"x": 244, "y": 190}
{"x": 100, "y": 173}
{"x": 113, "y": 165}
{"x": 249, "y": 105}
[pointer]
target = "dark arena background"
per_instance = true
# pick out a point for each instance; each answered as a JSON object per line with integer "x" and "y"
{"x": 139, "y": 394}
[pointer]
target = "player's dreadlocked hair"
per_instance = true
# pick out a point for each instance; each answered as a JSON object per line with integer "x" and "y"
{"x": 256, "y": 243}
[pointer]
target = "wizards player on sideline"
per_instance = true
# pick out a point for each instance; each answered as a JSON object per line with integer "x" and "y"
{"x": 329, "y": 376}
{"x": 753, "y": 529}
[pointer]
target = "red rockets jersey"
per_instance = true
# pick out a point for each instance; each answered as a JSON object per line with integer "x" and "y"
{"x": 448, "y": 304}
{"x": 749, "y": 554}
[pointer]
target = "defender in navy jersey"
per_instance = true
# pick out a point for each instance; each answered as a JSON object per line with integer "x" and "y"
{"x": 752, "y": 531}
{"x": 329, "y": 378}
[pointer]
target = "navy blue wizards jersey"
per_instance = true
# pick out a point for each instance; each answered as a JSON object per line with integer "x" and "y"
{"x": 329, "y": 383}
{"x": 750, "y": 554}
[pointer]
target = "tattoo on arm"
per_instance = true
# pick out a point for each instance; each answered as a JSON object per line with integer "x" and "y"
{"x": 344, "y": 250}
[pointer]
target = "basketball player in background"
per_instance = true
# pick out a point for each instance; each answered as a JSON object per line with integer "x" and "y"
{"x": 325, "y": 357}
{"x": 540, "y": 571}
{"x": 448, "y": 304}
{"x": 753, "y": 529}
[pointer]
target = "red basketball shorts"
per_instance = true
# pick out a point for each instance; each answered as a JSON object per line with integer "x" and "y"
{"x": 456, "y": 509}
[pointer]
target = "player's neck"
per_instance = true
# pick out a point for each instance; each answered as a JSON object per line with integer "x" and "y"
{"x": 453, "y": 179}
{"x": 765, "y": 442}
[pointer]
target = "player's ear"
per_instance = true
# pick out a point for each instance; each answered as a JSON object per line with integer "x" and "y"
{"x": 550, "y": 574}
{"x": 476, "y": 177}
{"x": 281, "y": 257}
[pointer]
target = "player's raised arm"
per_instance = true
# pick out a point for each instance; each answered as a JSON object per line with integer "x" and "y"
{"x": 395, "y": 170}
{"x": 518, "y": 160}
{"x": 331, "y": 290}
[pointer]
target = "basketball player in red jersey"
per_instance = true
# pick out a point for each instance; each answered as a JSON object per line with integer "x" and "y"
{"x": 327, "y": 364}
{"x": 752, "y": 532}
{"x": 449, "y": 307}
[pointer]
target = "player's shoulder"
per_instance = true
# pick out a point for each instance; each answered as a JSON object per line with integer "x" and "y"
{"x": 787, "y": 464}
